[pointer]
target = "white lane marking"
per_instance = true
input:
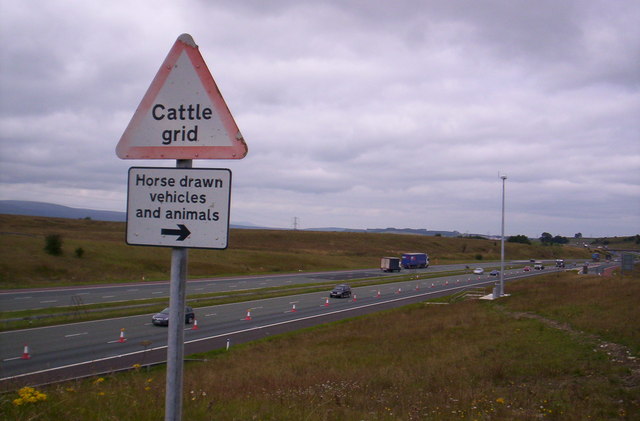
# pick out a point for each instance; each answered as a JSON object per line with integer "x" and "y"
{"x": 133, "y": 290}
{"x": 82, "y": 293}
{"x": 159, "y": 292}
{"x": 48, "y": 301}
{"x": 108, "y": 296}
{"x": 11, "y": 359}
{"x": 210, "y": 314}
{"x": 22, "y": 298}
{"x": 76, "y": 334}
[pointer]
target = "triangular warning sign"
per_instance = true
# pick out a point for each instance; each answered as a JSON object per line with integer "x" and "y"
{"x": 183, "y": 114}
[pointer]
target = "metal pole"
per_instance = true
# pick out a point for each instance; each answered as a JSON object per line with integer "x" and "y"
{"x": 503, "y": 177}
{"x": 175, "y": 341}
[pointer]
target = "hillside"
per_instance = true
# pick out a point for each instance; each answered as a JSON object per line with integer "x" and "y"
{"x": 106, "y": 257}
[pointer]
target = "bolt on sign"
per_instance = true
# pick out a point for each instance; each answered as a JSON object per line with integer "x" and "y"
{"x": 182, "y": 115}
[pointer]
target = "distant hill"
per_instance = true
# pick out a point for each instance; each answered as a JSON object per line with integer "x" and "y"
{"x": 408, "y": 231}
{"x": 20, "y": 207}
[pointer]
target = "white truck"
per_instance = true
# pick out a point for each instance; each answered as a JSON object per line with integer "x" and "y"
{"x": 390, "y": 264}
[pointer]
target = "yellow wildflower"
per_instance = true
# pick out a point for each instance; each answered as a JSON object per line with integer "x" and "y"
{"x": 29, "y": 395}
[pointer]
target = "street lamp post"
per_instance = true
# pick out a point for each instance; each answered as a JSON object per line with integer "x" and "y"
{"x": 501, "y": 292}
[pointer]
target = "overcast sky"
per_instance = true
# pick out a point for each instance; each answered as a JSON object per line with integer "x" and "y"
{"x": 359, "y": 114}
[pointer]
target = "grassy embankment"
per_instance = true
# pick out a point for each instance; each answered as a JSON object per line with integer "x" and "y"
{"x": 560, "y": 347}
{"x": 106, "y": 257}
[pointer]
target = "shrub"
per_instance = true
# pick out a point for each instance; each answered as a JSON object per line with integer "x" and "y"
{"x": 53, "y": 244}
{"x": 79, "y": 252}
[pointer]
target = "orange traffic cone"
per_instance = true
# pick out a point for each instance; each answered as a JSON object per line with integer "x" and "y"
{"x": 293, "y": 308}
{"x": 25, "y": 353}
{"x": 432, "y": 285}
{"x": 399, "y": 291}
{"x": 354, "y": 297}
{"x": 378, "y": 295}
{"x": 248, "y": 317}
{"x": 326, "y": 303}
{"x": 417, "y": 287}
{"x": 122, "y": 339}
{"x": 195, "y": 324}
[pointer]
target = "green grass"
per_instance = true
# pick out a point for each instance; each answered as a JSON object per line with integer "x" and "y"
{"x": 107, "y": 259}
{"x": 472, "y": 360}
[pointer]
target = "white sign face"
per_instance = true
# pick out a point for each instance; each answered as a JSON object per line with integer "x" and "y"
{"x": 178, "y": 207}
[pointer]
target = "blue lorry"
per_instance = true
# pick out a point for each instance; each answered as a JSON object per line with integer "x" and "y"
{"x": 415, "y": 260}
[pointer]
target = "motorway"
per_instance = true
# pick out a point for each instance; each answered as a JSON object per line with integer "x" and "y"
{"x": 74, "y": 350}
{"x": 33, "y": 299}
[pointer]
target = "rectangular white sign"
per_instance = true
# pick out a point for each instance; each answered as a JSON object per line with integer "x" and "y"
{"x": 178, "y": 207}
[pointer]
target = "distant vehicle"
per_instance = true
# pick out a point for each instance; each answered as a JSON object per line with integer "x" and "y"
{"x": 162, "y": 318}
{"x": 494, "y": 272}
{"x": 595, "y": 257}
{"x": 532, "y": 260}
{"x": 390, "y": 264}
{"x": 341, "y": 291}
{"x": 478, "y": 271}
{"x": 527, "y": 268}
{"x": 559, "y": 263}
{"x": 415, "y": 260}
{"x": 538, "y": 266}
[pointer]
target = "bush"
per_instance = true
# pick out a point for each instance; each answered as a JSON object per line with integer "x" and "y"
{"x": 53, "y": 244}
{"x": 523, "y": 239}
{"x": 478, "y": 256}
{"x": 79, "y": 252}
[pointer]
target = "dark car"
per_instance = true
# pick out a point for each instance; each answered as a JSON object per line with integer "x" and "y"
{"x": 494, "y": 273}
{"x": 162, "y": 318}
{"x": 340, "y": 291}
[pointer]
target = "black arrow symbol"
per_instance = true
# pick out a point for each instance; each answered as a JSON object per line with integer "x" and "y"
{"x": 182, "y": 233}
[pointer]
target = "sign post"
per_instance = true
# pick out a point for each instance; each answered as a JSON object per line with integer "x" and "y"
{"x": 182, "y": 116}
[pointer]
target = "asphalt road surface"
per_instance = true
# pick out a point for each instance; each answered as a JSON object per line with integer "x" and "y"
{"x": 33, "y": 299}
{"x": 74, "y": 350}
